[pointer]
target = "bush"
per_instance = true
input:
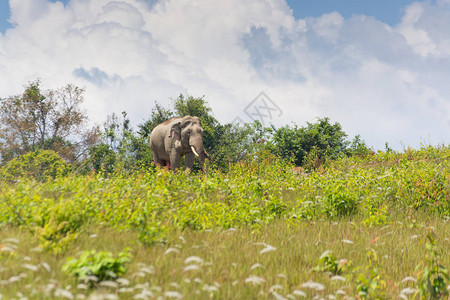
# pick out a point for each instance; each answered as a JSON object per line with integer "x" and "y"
{"x": 93, "y": 266}
{"x": 40, "y": 165}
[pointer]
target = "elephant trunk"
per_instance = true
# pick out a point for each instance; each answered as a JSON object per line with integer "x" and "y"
{"x": 199, "y": 151}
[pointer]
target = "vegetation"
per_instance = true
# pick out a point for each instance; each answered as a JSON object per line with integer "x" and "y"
{"x": 46, "y": 120}
{"x": 258, "y": 230}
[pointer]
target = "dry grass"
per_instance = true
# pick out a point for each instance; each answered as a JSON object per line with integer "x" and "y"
{"x": 274, "y": 262}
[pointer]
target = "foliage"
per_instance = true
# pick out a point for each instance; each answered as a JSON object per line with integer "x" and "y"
{"x": 328, "y": 263}
{"x": 433, "y": 282}
{"x": 41, "y": 165}
{"x": 102, "y": 158}
{"x": 122, "y": 149}
{"x": 158, "y": 116}
{"x": 50, "y": 120}
{"x": 260, "y": 199}
{"x": 311, "y": 145}
{"x": 370, "y": 282}
{"x": 93, "y": 266}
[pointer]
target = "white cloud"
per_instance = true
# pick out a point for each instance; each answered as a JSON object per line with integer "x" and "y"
{"x": 385, "y": 83}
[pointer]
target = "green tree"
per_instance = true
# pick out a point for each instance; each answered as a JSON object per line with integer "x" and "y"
{"x": 316, "y": 141}
{"x": 40, "y": 165}
{"x": 190, "y": 106}
{"x": 50, "y": 120}
{"x": 121, "y": 147}
{"x": 159, "y": 115}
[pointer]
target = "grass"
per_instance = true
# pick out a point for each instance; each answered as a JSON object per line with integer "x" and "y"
{"x": 258, "y": 232}
{"x": 230, "y": 262}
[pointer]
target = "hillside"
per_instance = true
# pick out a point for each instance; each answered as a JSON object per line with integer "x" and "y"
{"x": 373, "y": 226}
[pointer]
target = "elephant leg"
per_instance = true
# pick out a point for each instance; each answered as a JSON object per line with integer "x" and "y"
{"x": 174, "y": 160}
{"x": 159, "y": 162}
{"x": 189, "y": 162}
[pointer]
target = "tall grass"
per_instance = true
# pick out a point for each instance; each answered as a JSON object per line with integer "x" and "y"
{"x": 258, "y": 231}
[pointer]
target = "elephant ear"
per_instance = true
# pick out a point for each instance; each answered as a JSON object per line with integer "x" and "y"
{"x": 175, "y": 131}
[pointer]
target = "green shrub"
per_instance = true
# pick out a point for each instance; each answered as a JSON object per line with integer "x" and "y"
{"x": 40, "y": 165}
{"x": 433, "y": 281}
{"x": 93, "y": 266}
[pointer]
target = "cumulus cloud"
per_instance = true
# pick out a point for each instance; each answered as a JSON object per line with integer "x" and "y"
{"x": 385, "y": 83}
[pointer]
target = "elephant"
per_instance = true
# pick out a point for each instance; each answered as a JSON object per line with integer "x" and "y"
{"x": 176, "y": 137}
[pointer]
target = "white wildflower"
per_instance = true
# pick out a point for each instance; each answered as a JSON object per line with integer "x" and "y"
{"x": 278, "y": 296}
{"x": 148, "y": 270}
{"x": 36, "y": 249}
{"x": 173, "y": 294}
{"x": 14, "y": 279}
{"x": 46, "y": 266}
{"x": 275, "y": 287}
{"x": 82, "y": 286}
{"x": 156, "y": 288}
{"x": 338, "y": 278}
{"x": 313, "y": 285}
{"x": 170, "y": 250}
{"x": 254, "y": 279}
{"x": 7, "y": 248}
{"x": 409, "y": 278}
{"x": 325, "y": 253}
{"x": 126, "y": 290}
{"x": 11, "y": 240}
{"x": 347, "y": 241}
{"x": 91, "y": 278}
{"x": 141, "y": 286}
{"x": 192, "y": 267}
{"x": 122, "y": 281}
{"x": 144, "y": 294}
{"x": 197, "y": 280}
{"x": 257, "y": 265}
{"x": 31, "y": 267}
{"x": 210, "y": 288}
{"x": 299, "y": 293}
{"x": 408, "y": 291}
{"x": 175, "y": 285}
{"x": 64, "y": 294}
{"x": 109, "y": 283}
{"x": 268, "y": 248}
{"x": 340, "y": 292}
{"x": 193, "y": 259}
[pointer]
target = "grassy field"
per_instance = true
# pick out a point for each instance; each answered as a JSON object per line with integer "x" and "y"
{"x": 372, "y": 228}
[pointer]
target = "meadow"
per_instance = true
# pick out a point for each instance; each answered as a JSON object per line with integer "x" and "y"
{"x": 372, "y": 227}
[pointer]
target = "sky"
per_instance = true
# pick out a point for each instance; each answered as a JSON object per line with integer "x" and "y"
{"x": 379, "y": 68}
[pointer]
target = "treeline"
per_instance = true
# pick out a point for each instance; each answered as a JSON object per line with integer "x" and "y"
{"x": 53, "y": 121}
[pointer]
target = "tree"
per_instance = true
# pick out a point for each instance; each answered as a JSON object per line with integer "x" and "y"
{"x": 49, "y": 120}
{"x": 321, "y": 141}
{"x": 159, "y": 115}
{"x": 190, "y": 106}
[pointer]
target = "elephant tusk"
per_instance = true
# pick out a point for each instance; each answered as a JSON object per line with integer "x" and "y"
{"x": 195, "y": 152}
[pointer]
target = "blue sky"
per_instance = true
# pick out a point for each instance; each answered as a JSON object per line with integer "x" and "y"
{"x": 380, "y": 68}
{"x": 388, "y": 11}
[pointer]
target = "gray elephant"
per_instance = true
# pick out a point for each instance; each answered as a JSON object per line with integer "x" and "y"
{"x": 176, "y": 137}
